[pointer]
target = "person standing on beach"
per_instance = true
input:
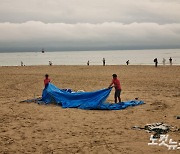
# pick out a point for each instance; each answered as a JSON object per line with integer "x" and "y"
{"x": 116, "y": 84}
{"x": 46, "y": 80}
{"x": 88, "y": 63}
{"x": 170, "y": 61}
{"x": 156, "y": 62}
{"x": 22, "y": 63}
{"x": 127, "y": 62}
{"x": 104, "y": 62}
{"x": 164, "y": 61}
{"x": 50, "y": 63}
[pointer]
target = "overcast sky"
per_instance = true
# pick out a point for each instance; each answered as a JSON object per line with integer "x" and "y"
{"x": 30, "y": 25}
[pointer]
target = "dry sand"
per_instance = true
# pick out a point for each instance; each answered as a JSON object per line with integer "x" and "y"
{"x": 33, "y": 128}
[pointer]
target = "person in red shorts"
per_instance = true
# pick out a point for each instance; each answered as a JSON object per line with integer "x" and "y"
{"x": 116, "y": 84}
{"x": 46, "y": 80}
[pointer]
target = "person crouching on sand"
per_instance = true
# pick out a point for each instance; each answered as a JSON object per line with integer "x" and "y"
{"x": 46, "y": 80}
{"x": 116, "y": 84}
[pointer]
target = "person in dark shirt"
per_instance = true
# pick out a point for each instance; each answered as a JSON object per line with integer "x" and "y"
{"x": 170, "y": 61}
{"x": 127, "y": 62}
{"x": 156, "y": 62}
{"x": 104, "y": 62}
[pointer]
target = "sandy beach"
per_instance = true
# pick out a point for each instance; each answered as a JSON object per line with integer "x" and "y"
{"x": 33, "y": 128}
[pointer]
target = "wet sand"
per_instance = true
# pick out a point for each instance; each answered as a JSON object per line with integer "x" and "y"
{"x": 33, "y": 128}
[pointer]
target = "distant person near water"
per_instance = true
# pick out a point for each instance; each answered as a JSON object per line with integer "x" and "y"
{"x": 127, "y": 62}
{"x": 170, "y": 61}
{"x": 116, "y": 84}
{"x": 46, "y": 80}
{"x": 164, "y": 61}
{"x": 50, "y": 63}
{"x": 156, "y": 62}
{"x": 22, "y": 63}
{"x": 104, "y": 62}
{"x": 88, "y": 63}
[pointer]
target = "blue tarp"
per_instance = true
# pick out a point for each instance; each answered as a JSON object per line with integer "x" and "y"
{"x": 83, "y": 100}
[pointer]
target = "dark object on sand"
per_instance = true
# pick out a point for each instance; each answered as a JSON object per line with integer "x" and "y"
{"x": 156, "y": 128}
{"x": 178, "y": 117}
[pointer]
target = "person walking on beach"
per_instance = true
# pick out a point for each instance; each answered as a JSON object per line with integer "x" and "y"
{"x": 116, "y": 84}
{"x": 164, "y": 61}
{"x": 170, "y": 61}
{"x": 46, "y": 80}
{"x": 127, "y": 62}
{"x": 104, "y": 62}
{"x": 156, "y": 62}
{"x": 88, "y": 63}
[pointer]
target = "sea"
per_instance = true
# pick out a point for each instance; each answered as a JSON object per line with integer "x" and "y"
{"x": 114, "y": 57}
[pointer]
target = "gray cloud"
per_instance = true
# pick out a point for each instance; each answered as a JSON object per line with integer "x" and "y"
{"x": 29, "y": 25}
{"x": 36, "y": 35}
{"x": 90, "y": 11}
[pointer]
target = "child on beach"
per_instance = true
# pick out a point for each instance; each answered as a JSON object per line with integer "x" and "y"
{"x": 46, "y": 80}
{"x": 117, "y": 86}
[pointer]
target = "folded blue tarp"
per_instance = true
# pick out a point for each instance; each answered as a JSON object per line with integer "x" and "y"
{"x": 83, "y": 100}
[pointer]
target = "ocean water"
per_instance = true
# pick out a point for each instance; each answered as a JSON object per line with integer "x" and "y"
{"x": 115, "y": 57}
